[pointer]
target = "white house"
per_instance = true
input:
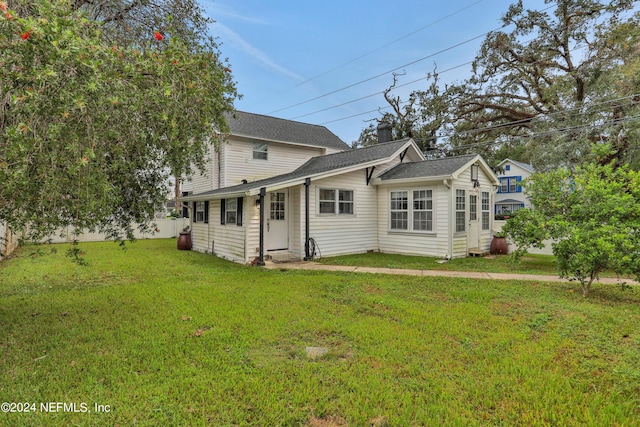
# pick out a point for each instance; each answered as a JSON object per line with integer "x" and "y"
{"x": 384, "y": 197}
{"x": 510, "y": 197}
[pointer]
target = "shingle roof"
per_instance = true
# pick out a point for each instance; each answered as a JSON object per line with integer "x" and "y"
{"x": 427, "y": 168}
{"x": 525, "y": 166}
{"x": 320, "y": 164}
{"x": 273, "y": 128}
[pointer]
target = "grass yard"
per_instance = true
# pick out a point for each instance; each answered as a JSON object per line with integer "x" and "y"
{"x": 529, "y": 264}
{"x": 166, "y": 337}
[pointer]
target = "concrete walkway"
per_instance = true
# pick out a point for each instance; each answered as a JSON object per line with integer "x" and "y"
{"x": 310, "y": 265}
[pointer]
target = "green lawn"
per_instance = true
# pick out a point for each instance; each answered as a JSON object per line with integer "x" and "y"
{"x": 529, "y": 264}
{"x": 167, "y": 337}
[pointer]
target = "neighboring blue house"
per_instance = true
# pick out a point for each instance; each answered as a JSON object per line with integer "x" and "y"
{"x": 510, "y": 197}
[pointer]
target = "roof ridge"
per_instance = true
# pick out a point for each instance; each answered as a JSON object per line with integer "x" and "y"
{"x": 278, "y": 118}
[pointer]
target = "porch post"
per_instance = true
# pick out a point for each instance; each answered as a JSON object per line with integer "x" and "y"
{"x": 263, "y": 192}
{"x": 307, "y": 255}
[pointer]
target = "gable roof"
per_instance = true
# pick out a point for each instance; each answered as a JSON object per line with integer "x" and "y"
{"x": 525, "y": 166}
{"x": 429, "y": 168}
{"x": 270, "y": 128}
{"x": 321, "y": 166}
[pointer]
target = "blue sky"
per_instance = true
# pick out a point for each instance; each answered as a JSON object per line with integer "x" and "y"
{"x": 283, "y": 54}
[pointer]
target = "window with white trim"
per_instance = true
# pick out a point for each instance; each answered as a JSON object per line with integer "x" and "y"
{"x": 422, "y": 210}
{"x": 510, "y": 184}
{"x": 473, "y": 207}
{"x": 260, "y": 150}
{"x": 345, "y": 202}
{"x": 411, "y": 210}
{"x": 336, "y": 201}
{"x": 399, "y": 210}
{"x": 485, "y": 210}
{"x": 231, "y": 211}
{"x": 461, "y": 222}
{"x": 200, "y": 212}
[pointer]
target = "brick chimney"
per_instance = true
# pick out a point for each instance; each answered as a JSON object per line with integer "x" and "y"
{"x": 384, "y": 132}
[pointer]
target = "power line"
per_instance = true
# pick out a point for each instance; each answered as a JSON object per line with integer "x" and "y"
{"x": 386, "y": 72}
{"x": 389, "y": 44}
{"x": 579, "y": 47}
{"x": 395, "y": 69}
{"x": 377, "y": 93}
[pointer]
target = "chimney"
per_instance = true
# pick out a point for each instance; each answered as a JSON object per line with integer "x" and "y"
{"x": 384, "y": 132}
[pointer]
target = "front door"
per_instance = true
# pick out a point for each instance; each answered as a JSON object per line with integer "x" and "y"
{"x": 277, "y": 235}
{"x": 473, "y": 233}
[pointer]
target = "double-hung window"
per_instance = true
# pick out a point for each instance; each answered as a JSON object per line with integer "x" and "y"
{"x": 411, "y": 210}
{"x": 231, "y": 211}
{"x": 510, "y": 184}
{"x": 345, "y": 202}
{"x": 260, "y": 151}
{"x": 461, "y": 222}
{"x": 201, "y": 211}
{"x": 399, "y": 210}
{"x": 422, "y": 210}
{"x": 335, "y": 201}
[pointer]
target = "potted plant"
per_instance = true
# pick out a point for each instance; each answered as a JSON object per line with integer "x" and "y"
{"x": 499, "y": 245}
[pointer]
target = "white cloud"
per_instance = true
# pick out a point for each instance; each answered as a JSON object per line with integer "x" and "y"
{"x": 230, "y": 36}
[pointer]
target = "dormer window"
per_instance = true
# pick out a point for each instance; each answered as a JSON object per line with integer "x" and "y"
{"x": 260, "y": 150}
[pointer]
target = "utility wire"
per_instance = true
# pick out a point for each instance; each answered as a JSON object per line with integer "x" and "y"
{"x": 386, "y": 72}
{"x": 396, "y": 68}
{"x": 390, "y": 43}
{"x": 579, "y": 47}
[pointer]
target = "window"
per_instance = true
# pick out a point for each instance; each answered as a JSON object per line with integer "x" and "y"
{"x": 277, "y": 206}
{"x": 411, "y": 210}
{"x": 508, "y": 208}
{"x": 260, "y": 150}
{"x": 473, "y": 207}
{"x": 399, "y": 210}
{"x": 507, "y": 167}
{"x": 510, "y": 184}
{"x": 334, "y": 201}
{"x": 328, "y": 201}
{"x": 345, "y": 202}
{"x": 230, "y": 211}
{"x": 485, "y": 210}
{"x": 200, "y": 212}
{"x": 423, "y": 210}
{"x": 460, "y": 211}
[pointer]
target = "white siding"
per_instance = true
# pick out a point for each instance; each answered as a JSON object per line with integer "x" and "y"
{"x": 515, "y": 170}
{"x": 460, "y": 249}
{"x": 227, "y": 241}
{"x": 252, "y": 216}
{"x": 342, "y": 234}
{"x": 426, "y": 244}
{"x": 282, "y": 158}
{"x": 200, "y": 183}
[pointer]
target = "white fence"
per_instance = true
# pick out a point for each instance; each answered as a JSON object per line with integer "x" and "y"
{"x": 497, "y": 227}
{"x": 167, "y": 228}
{"x": 8, "y": 241}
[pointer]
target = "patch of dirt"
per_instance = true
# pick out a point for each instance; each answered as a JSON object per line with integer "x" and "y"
{"x": 328, "y": 421}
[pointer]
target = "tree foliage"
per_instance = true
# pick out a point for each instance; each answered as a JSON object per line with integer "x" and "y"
{"x": 544, "y": 88}
{"x": 592, "y": 214}
{"x": 93, "y": 121}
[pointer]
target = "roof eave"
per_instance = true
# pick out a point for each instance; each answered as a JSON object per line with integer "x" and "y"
{"x": 379, "y": 181}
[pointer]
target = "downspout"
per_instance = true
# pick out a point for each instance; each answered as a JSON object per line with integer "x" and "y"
{"x": 307, "y": 184}
{"x": 263, "y": 193}
{"x": 451, "y": 217}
